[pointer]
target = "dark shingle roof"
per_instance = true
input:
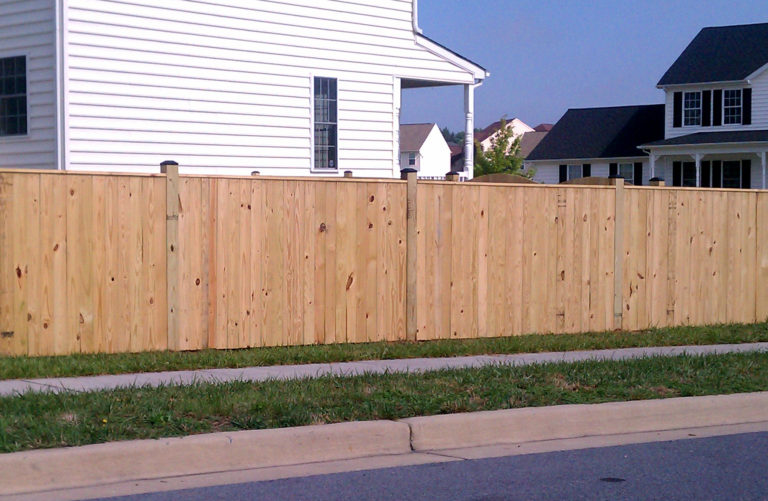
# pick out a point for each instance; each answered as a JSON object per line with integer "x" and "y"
{"x": 412, "y": 136}
{"x": 543, "y": 127}
{"x": 738, "y": 136}
{"x": 602, "y": 133}
{"x": 722, "y": 54}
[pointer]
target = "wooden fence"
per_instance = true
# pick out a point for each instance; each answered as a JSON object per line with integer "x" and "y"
{"x": 115, "y": 263}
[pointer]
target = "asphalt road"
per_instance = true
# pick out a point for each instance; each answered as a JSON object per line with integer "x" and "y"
{"x": 728, "y": 467}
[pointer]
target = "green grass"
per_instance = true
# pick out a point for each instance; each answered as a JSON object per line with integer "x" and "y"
{"x": 36, "y": 421}
{"x": 89, "y": 365}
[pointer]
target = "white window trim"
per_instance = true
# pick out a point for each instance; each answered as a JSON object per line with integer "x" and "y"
{"x": 741, "y": 108}
{"x": 568, "y": 169}
{"x": 28, "y": 136}
{"x": 630, "y": 179}
{"x": 701, "y": 107}
{"x": 312, "y": 168}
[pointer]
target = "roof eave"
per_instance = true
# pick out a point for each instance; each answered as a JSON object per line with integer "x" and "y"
{"x": 477, "y": 71}
{"x": 729, "y": 143}
{"x": 719, "y": 82}
{"x": 582, "y": 159}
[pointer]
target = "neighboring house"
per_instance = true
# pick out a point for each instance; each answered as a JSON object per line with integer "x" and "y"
{"x": 284, "y": 87}
{"x": 423, "y": 147}
{"x": 530, "y": 141}
{"x": 716, "y": 122}
{"x": 485, "y": 138}
{"x": 543, "y": 127}
{"x": 457, "y": 157}
{"x": 712, "y": 130}
{"x": 598, "y": 142}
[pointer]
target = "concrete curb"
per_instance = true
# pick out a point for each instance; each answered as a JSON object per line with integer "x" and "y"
{"x": 573, "y": 421}
{"x": 37, "y": 471}
{"x": 46, "y": 470}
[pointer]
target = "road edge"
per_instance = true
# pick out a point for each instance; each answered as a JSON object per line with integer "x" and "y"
{"x": 46, "y": 470}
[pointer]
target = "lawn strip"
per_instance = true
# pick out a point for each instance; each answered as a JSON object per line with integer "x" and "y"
{"x": 92, "y": 365}
{"x": 37, "y": 421}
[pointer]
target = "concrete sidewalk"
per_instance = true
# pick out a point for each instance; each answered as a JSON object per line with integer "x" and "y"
{"x": 257, "y": 374}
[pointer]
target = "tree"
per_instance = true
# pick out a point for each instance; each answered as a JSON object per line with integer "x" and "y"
{"x": 502, "y": 157}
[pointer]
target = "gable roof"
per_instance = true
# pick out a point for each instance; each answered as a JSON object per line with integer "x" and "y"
{"x": 413, "y": 136}
{"x": 543, "y": 127}
{"x": 530, "y": 141}
{"x": 614, "y": 132}
{"x": 495, "y": 127}
{"x": 721, "y": 54}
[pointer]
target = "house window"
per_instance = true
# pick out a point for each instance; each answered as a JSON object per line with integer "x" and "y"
{"x": 684, "y": 174}
{"x": 627, "y": 171}
{"x": 13, "y": 96}
{"x": 326, "y": 124}
{"x": 732, "y": 106}
{"x": 411, "y": 159}
{"x": 732, "y": 174}
{"x": 575, "y": 172}
{"x": 692, "y": 109}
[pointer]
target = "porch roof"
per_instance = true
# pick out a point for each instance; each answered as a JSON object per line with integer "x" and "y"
{"x": 713, "y": 138}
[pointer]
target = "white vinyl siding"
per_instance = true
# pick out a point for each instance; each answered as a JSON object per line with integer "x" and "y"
{"x": 549, "y": 173}
{"x": 759, "y": 87}
{"x": 28, "y": 28}
{"x": 225, "y": 86}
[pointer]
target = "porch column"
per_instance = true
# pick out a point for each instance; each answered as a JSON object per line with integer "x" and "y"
{"x": 762, "y": 158}
{"x": 469, "y": 141}
{"x": 698, "y": 169}
{"x": 652, "y": 159}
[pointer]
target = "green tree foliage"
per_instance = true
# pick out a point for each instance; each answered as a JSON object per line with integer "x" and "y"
{"x": 502, "y": 157}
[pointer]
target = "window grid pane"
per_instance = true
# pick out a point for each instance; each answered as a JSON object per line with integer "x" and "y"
{"x": 575, "y": 172}
{"x": 732, "y": 106}
{"x": 692, "y": 108}
{"x": 326, "y": 123}
{"x": 627, "y": 171}
{"x": 13, "y": 96}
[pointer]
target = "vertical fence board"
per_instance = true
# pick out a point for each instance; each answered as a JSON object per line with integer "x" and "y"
{"x": 53, "y": 240}
{"x": 761, "y": 252}
{"x": 7, "y": 268}
{"x": 192, "y": 302}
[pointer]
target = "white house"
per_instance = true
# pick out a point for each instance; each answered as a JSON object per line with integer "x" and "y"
{"x": 285, "y": 87}
{"x": 712, "y": 130}
{"x": 716, "y": 120}
{"x": 518, "y": 127}
{"x": 423, "y": 147}
{"x": 598, "y": 142}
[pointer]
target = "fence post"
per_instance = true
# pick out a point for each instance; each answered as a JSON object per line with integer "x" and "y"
{"x": 171, "y": 171}
{"x": 348, "y": 173}
{"x": 658, "y": 182}
{"x": 618, "y": 253}
{"x": 452, "y": 177}
{"x": 411, "y": 326}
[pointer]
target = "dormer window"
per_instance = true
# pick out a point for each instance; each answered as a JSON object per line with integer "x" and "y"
{"x": 692, "y": 109}
{"x": 732, "y": 106}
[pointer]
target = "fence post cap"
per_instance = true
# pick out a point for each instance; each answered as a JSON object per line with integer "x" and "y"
{"x": 656, "y": 179}
{"x": 615, "y": 176}
{"x": 168, "y": 163}
{"x": 408, "y": 171}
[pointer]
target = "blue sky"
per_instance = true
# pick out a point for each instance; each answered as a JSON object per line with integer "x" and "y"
{"x": 546, "y": 56}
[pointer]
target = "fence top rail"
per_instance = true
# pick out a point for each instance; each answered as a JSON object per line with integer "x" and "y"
{"x": 326, "y": 179}
{"x": 514, "y": 185}
{"x": 689, "y": 188}
{"x": 52, "y": 172}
